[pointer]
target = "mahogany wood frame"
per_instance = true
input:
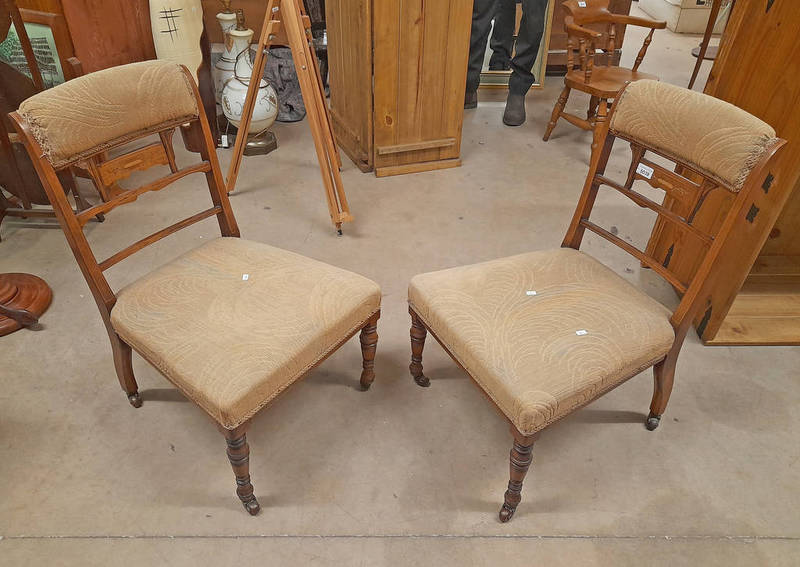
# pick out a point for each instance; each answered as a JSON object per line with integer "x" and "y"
{"x": 286, "y": 23}
{"x": 72, "y": 223}
{"x": 602, "y": 93}
{"x": 746, "y": 204}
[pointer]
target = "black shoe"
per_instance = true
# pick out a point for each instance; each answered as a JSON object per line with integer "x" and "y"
{"x": 471, "y": 99}
{"x": 515, "y": 110}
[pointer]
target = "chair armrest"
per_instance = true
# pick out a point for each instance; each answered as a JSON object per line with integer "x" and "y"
{"x": 641, "y": 22}
{"x": 579, "y": 31}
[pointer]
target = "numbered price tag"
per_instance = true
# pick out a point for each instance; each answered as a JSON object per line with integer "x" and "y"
{"x": 581, "y": 4}
{"x": 644, "y": 171}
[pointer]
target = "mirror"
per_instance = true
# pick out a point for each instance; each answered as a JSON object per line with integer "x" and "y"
{"x": 503, "y": 38}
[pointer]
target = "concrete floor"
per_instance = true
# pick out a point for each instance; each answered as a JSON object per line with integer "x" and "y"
{"x": 399, "y": 474}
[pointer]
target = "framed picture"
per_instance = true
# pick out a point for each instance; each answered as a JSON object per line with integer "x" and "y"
{"x": 51, "y": 44}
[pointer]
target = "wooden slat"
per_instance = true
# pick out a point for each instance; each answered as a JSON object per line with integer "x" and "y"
{"x": 417, "y": 167}
{"x": 410, "y": 147}
{"x": 156, "y": 236}
{"x": 638, "y": 254}
{"x": 665, "y": 213}
{"x": 133, "y": 194}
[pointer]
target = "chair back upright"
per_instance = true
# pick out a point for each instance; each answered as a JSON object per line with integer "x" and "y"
{"x": 581, "y": 21}
{"x": 716, "y": 147}
{"x": 74, "y": 123}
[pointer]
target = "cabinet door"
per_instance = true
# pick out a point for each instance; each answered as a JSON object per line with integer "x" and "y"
{"x": 349, "y": 24}
{"x": 420, "y": 70}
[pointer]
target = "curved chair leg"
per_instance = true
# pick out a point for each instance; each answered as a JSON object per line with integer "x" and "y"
{"x": 124, "y": 367}
{"x": 557, "y": 110}
{"x": 369, "y": 343}
{"x": 239, "y": 456}
{"x": 602, "y": 114}
{"x": 520, "y": 462}
{"x": 418, "y": 335}
{"x": 664, "y": 376}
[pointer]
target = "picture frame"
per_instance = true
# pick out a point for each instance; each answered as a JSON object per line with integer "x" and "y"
{"x": 52, "y": 45}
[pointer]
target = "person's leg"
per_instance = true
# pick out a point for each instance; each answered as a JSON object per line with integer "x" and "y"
{"x": 531, "y": 30}
{"x": 482, "y": 14}
{"x": 502, "y": 40}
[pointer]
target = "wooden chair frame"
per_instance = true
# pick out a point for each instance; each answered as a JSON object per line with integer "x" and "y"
{"x": 72, "y": 223}
{"x": 754, "y": 196}
{"x": 587, "y": 42}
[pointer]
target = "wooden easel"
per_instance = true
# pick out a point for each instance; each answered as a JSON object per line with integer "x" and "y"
{"x": 286, "y": 23}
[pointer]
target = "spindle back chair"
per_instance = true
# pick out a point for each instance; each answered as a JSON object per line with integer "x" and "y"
{"x": 601, "y": 82}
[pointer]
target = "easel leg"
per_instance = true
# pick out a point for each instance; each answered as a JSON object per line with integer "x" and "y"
{"x": 250, "y": 101}
{"x": 313, "y": 96}
{"x": 291, "y": 24}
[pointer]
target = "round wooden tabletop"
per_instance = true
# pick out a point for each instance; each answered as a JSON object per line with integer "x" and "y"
{"x": 23, "y": 299}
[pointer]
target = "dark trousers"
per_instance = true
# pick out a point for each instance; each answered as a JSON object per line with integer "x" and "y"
{"x": 502, "y": 39}
{"x": 530, "y": 35}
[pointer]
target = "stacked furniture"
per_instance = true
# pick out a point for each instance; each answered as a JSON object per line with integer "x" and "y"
{"x": 757, "y": 297}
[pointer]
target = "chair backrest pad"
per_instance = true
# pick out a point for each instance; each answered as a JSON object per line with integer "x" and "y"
{"x": 91, "y": 113}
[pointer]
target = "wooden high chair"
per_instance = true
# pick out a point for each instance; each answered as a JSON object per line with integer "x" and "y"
{"x": 231, "y": 323}
{"x": 601, "y": 82}
{"x": 545, "y": 333}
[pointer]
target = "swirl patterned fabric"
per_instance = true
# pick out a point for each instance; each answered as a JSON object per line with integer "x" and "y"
{"x": 717, "y": 138}
{"x": 232, "y": 344}
{"x": 98, "y": 110}
{"x": 529, "y": 351}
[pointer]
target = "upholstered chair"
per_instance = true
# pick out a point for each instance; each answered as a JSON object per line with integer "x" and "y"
{"x": 545, "y": 333}
{"x": 232, "y": 323}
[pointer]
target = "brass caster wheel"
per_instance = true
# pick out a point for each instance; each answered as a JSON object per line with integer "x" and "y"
{"x": 506, "y": 513}
{"x": 252, "y": 506}
{"x": 652, "y": 422}
{"x": 135, "y": 399}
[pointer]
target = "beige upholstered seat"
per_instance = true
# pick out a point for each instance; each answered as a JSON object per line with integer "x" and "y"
{"x": 523, "y": 349}
{"x": 232, "y": 344}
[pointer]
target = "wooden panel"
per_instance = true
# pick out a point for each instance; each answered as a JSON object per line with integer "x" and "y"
{"x": 420, "y": 76}
{"x": 107, "y": 33}
{"x": 52, "y": 6}
{"x": 350, "y": 77}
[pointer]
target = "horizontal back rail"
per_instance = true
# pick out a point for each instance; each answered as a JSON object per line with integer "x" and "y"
{"x": 645, "y": 259}
{"x": 132, "y": 194}
{"x": 662, "y": 212}
{"x": 156, "y": 236}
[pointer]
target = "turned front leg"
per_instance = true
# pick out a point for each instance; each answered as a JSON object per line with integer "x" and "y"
{"x": 520, "y": 461}
{"x": 239, "y": 456}
{"x": 369, "y": 343}
{"x": 418, "y": 335}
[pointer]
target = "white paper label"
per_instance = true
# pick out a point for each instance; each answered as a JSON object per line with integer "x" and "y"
{"x": 581, "y": 332}
{"x": 581, "y": 4}
{"x": 225, "y": 141}
{"x": 644, "y": 171}
{"x": 245, "y": 277}
{"x": 530, "y": 292}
